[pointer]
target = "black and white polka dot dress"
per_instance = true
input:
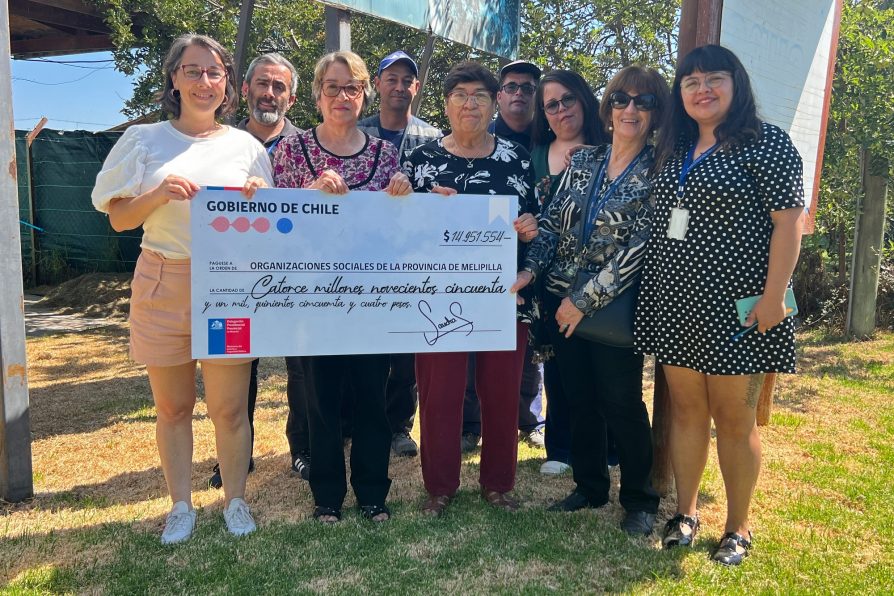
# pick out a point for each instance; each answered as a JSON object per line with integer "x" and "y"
{"x": 687, "y": 313}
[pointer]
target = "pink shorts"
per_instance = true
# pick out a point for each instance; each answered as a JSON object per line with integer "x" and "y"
{"x": 160, "y": 329}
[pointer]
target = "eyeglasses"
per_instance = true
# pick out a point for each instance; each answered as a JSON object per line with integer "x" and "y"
{"x": 645, "y": 102}
{"x": 479, "y": 98}
{"x": 712, "y": 80}
{"x": 352, "y": 90}
{"x": 552, "y": 107}
{"x": 194, "y": 72}
{"x": 512, "y": 88}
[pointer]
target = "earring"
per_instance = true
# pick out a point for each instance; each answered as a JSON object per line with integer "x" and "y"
{"x": 610, "y": 128}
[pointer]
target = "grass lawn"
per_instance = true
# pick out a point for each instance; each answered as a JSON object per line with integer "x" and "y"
{"x": 822, "y": 514}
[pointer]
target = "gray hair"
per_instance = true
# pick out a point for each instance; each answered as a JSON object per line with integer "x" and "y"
{"x": 275, "y": 59}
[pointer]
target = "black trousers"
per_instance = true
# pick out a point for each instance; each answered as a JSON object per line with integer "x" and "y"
{"x": 371, "y": 443}
{"x": 604, "y": 386}
{"x": 400, "y": 393}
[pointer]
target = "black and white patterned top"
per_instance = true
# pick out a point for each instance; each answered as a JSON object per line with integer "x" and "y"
{"x": 506, "y": 171}
{"x": 687, "y": 313}
{"x": 594, "y": 272}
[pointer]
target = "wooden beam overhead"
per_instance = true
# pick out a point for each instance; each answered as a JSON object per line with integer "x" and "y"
{"x": 56, "y": 16}
{"x": 70, "y": 44}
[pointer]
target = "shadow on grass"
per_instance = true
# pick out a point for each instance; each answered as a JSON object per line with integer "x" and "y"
{"x": 473, "y": 548}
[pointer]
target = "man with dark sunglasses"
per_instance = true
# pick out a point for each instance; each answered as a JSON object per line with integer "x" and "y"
{"x": 515, "y": 99}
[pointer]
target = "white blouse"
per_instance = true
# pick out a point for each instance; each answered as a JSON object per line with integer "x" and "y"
{"x": 146, "y": 154}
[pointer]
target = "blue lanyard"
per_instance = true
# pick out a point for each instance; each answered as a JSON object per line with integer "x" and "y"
{"x": 593, "y": 213}
{"x": 688, "y": 165}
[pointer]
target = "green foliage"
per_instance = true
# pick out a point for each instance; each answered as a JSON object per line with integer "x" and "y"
{"x": 861, "y": 116}
{"x": 594, "y": 37}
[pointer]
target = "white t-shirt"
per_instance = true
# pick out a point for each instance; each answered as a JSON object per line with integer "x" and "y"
{"x": 145, "y": 154}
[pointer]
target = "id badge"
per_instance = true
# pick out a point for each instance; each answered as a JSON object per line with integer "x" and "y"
{"x": 679, "y": 223}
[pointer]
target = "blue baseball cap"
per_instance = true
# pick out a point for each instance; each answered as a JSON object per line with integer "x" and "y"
{"x": 397, "y": 57}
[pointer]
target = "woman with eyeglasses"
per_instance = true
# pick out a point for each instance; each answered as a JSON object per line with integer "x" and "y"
{"x": 147, "y": 180}
{"x": 727, "y": 226}
{"x": 566, "y": 116}
{"x": 470, "y": 160}
{"x": 336, "y": 157}
{"x": 592, "y": 240}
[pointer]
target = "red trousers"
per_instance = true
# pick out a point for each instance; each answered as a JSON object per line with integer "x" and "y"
{"x": 441, "y": 379}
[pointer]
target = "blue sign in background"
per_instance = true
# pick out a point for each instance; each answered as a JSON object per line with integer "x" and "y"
{"x": 487, "y": 25}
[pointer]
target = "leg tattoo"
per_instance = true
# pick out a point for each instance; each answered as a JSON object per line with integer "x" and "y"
{"x": 753, "y": 392}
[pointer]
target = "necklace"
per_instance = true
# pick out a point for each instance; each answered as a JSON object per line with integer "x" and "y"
{"x": 478, "y": 154}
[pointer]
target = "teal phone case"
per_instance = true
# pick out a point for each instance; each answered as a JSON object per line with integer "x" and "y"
{"x": 744, "y": 305}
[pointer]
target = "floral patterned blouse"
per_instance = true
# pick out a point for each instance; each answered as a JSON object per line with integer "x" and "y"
{"x": 299, "y": 159}
{"x": 506, "y": 171}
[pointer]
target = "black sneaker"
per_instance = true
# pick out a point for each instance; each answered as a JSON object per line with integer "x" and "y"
{"x": 638, "y": 523}
{"x": 470, "y": 442}
{"x": 301, "y": 465}
{"x": 217, "y": 482}
{"x": 575, "y": 502}
{"x": 403, "y": 444}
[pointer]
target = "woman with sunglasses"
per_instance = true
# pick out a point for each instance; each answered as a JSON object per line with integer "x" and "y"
{"x": 588, "y": 252}
{"x": 727, "y": 226}
{"x": 566, "y": 116}
{"x": 336, "y": 157}
{"x": 472, "y": 161}
{"x": 147, "y": 180}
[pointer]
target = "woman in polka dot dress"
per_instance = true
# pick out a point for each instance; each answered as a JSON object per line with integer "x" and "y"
{"x": 727, "y": 226}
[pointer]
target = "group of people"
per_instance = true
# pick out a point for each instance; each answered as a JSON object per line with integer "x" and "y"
{"x": 678, "y": 193}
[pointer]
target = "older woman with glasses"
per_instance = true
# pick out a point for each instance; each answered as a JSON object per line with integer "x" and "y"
{"x": 336, "y": 157}
{"x": 147, "y": 180}
{"x": 589, "y": 251}
{"x": 472, "y": 161}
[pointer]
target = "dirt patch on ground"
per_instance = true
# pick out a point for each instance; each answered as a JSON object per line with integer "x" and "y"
{"x": 97, "y": 295}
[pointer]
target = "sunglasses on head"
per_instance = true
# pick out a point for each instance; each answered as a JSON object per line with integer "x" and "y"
{"x": 645, "y": 102}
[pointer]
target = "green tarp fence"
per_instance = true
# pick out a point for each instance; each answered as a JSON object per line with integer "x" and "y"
{"x": 55, "y": 179}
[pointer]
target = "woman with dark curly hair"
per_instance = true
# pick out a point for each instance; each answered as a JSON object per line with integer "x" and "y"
{"x": 147, "y": 180}
{"x": 727, "y": 226}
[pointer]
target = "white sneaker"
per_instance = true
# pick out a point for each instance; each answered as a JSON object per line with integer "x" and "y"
{"x": 180, "y": 523}
{"x": 554, "y": 468}
{"x": 238, "y": 518}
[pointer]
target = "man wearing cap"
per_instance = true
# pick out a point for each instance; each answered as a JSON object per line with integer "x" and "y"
{"x": 397, "y": 83}
{"x": 269, "y": 89}
{"x": 518, "y": 82}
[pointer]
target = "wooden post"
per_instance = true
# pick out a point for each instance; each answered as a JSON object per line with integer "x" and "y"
{"x": 338, "y": 29}
{"x": 868, "y": 238}
{"x": 765, "y": 400}
{"x": 424, "y": 63}
{"x": 16, "y": 482}
{"x": 699, "y": 24}
{"x": 662, "y": 475}
{"x": 245, "y": 13}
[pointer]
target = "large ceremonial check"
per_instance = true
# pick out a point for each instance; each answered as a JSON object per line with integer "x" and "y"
{"x": 301, "y": 272}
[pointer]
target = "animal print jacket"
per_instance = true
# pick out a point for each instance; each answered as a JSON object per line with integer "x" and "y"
{"x": 592, "y": 273}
